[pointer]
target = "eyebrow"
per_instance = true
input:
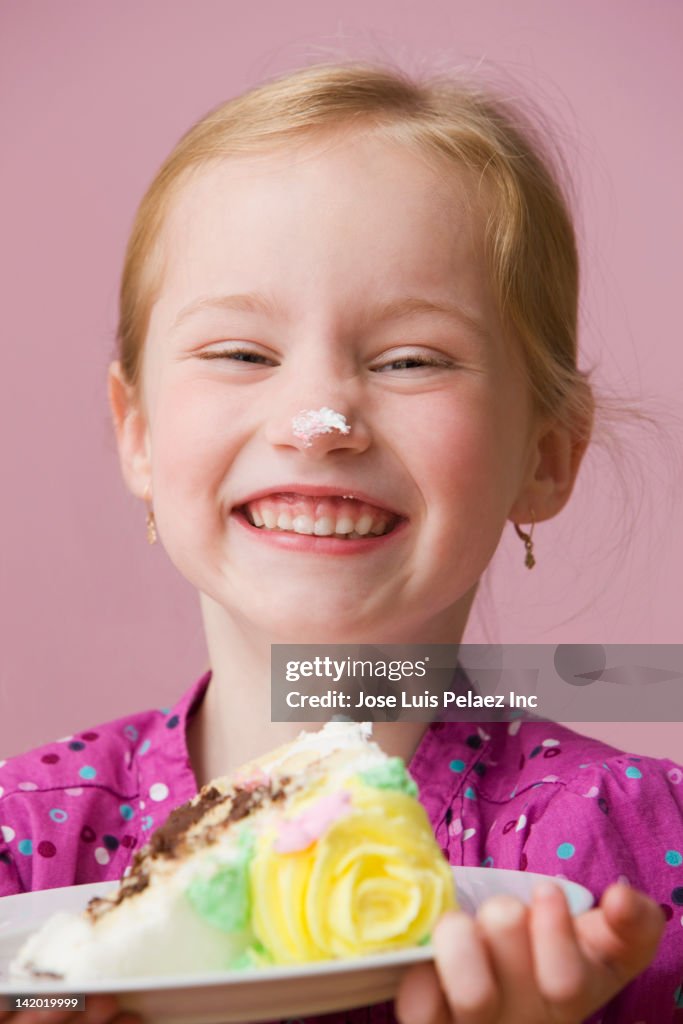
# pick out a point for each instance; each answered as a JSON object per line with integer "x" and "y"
{"x": 395, "y": 309}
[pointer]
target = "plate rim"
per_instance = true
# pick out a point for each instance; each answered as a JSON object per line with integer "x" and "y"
{"x": 263, "y": 975}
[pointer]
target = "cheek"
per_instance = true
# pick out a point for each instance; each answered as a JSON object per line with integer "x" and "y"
{"x": 190, "y": 440}
{"x": 463, "y": 455}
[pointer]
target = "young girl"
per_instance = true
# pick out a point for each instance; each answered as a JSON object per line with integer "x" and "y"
{"x": 393, "y": 262}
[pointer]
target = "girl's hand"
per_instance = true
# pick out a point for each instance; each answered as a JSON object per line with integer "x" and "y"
{"x": 517, "y": 965}
{"x": 98, "y": 1010}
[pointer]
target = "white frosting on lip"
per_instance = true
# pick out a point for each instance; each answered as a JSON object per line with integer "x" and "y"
{"x": 311, "y": 422}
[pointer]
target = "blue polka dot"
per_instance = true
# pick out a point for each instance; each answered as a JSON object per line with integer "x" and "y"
{"x": 536, "y": 751}
{"x": 172, "y": 722}
{"x": 457, "y": 766}
{"x": 487, "y": 862}
{"x": 144, "y": 747}
{"x": 77, "y": 745}
{"x": 25, "y": 846}
{"x": 127, "y": 811}
{"x": 634, "y": 773}
{"x": 58, "y": 815}
{"x": 470, "y": 794}
{"x": 147, "y": 822}
{"x": 131, "y": 732}
{"x": 673, "y": 858}
{"x": 565, "y": 851}
{"x": 87, "y": 772}
{"x": 164, "y": 711}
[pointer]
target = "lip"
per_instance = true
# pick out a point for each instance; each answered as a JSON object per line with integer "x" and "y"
{"x": 319, "y": 491}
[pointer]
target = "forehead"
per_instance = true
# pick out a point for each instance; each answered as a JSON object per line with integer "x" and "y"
{"x": 368, "y": 206}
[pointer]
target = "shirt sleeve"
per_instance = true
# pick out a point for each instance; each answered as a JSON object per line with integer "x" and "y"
{"x": 622, "y": 819}
{"x": 10, "y": 882}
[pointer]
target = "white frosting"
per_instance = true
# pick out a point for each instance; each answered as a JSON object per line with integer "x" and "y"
{"x": 333, "y": 736}
{"x": 157, "y": 932}
{"x": 311, "y": 422}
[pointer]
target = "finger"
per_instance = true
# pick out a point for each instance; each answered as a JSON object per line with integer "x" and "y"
{"x": 505, "y": 922}
{"x": 624, "y": 932}
{"x": 419, "y": 999}
{"x": 560, "y": 968}
{"x": 464, "y": 969}
{"x": 100, "y": 1009}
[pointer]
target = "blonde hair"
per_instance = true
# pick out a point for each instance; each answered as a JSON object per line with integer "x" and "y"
{"x": 454, "y": 123}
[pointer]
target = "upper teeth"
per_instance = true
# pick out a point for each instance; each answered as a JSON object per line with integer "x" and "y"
{"x": 322, "y": 517}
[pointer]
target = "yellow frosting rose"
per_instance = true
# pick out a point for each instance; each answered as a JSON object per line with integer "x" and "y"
{"x": 376, "y": 880}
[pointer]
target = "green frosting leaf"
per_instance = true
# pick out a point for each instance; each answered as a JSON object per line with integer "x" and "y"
{"x": 223, "y": 899}
{"x": 255, "y": 956}
{"x": 392, "y": 774}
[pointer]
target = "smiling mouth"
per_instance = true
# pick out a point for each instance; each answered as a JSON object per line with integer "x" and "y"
{"x": 342, "y": 518}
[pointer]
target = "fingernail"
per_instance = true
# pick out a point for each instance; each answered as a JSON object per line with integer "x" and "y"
{"x": 502, "y": 911}
{"x": 546, "y": 891}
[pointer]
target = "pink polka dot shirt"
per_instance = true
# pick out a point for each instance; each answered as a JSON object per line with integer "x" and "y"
{"x": 526, "y": 796}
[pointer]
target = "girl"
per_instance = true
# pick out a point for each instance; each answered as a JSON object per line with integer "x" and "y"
{"x": 394, "y": 262}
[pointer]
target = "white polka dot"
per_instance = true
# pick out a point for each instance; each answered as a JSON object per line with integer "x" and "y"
{"x": 76, "y": 791}
{"x": 159, "y": 791}
{"x": 64, "y": 739}
{"x": 7, "y": 833}
{"x": 521, "y": 823}
{"x": 468, "y": 833}
{"x": 1, "y": 791}
{"x": 142, "y": 804}
{"x": 550, "y": 743}
{"x": 102, "y": 855}
{"x": 514, "y": 727}
{"x": 484, "y": 735}
{"x": 592, "y": 792}
{"x": 27, "y": 785}
{"x": 455, "y": 827}
{"x": 675, "y": 775}
{"x": 2, "y": 763}
{"x": 551, "y": 778}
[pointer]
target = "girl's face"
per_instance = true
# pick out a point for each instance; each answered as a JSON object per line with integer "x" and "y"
{"x": 324, "y": 239}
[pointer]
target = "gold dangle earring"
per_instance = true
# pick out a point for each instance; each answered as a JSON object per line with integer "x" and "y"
{"x": 529, "y": 560}
{"x": 151, "y": 523}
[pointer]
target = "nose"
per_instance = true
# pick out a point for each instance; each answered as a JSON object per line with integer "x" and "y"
{"x": 317, "y": 430}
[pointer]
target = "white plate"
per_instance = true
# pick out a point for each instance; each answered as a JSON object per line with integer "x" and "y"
{"x": 274, "y": 994}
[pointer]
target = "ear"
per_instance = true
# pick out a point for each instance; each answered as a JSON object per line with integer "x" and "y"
{"x": 555, "y": 455}
{"x": 132, "y": 434}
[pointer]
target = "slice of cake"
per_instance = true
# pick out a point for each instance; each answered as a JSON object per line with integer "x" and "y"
{"x": 318, "y": 850}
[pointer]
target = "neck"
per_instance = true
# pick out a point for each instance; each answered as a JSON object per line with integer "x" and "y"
{"x": 233, "y": 723}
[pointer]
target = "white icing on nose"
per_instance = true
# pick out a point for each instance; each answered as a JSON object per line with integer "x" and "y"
{"x": 311, "y": 422}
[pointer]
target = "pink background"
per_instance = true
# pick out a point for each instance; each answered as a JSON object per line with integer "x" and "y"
{"x": 94, "y": 622}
